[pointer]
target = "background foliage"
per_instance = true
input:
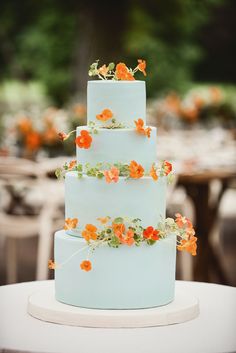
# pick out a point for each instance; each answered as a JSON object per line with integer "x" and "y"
{"x": 54, "y": 42}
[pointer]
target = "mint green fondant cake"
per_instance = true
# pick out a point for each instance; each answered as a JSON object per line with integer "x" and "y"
{"x": 110, "y": 254}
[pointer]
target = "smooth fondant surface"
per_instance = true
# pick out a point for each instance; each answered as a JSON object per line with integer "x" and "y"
{"x": 121, "y": 278}
{"x": 88, "y": 198}
{"x": 119, "y": 145}
{"x": 126, "y": 99}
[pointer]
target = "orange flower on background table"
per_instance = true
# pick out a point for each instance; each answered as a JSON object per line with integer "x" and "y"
{"x": 33, "y": 141}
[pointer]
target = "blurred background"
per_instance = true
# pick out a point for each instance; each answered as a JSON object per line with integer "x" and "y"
{"x": 46, "y": 48}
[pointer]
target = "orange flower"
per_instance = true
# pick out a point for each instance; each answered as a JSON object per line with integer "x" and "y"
{"x": 122, "y": 72}
{"x": 142, "y": 66}
{"x": 105, "y": 115}
{"x": 50, "y": 135}
{"x": 136, "y": 170}
{"x": 103, "y": 220}
{"x": 167, "y": 166}
{"x": 70, "y": 223}
{"x": 128, "y": 238}
{"x": 72, "y": 164}
{"x": 182, "y": 221}
{"x": 86, "y": 265}
{"x": 118, "y": 228}
{"x": 140, "y": 128}
{"x": 79, "y": 110}
{"x": 89, "y": 232}
{"x": 24, "y": 125}
{"x": 216, "y": 94}
{"x": 51, "y": 265}
{"x": 33, "y": 141}
{"x": 172, "y": 103}
{"x": 153, "y": 172}
{"x": 84, "y": 140}
{"x": 103, "y": 70}
{"x": 189, "y": 245}
{"x": 62, "y": 136}
{"x": 151, "y": 233}
{"x": 112, "y": 175}
{"x": 190, "y": 114}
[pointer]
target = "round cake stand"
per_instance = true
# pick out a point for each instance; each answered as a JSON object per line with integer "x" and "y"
{"x": 43, "y": 305}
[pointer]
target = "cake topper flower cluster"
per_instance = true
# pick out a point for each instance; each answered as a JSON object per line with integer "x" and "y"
{"x": 117, "y": 72}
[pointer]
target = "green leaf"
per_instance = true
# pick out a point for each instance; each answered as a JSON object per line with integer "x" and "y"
{"x": 100, "y": 175}
{"x": 58, "y": 172}
{"x": 118, "y": 220}
{"x": 151, "y": 242}
{"x": 111, "y": 66}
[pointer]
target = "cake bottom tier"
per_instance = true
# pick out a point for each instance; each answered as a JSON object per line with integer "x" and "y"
{"x": 121, "y": 278}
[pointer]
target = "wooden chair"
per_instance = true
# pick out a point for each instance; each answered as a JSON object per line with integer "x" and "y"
{"x": 15, "y": 227}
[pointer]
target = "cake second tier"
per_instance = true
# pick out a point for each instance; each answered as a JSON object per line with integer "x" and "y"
{"x": 118, "y": 146}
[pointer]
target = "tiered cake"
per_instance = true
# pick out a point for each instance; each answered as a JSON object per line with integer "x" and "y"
{"x": 126, "y": 272}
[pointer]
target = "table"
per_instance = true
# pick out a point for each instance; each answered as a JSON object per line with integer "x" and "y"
{"x": 213, "y": 331}
{"x": 197, "y": 186}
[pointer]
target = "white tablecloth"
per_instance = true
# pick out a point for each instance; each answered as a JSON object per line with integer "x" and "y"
{"x": 213, "y": 331}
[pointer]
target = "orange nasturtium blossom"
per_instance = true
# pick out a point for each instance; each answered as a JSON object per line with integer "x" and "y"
{"x": 70, "y": 223}
{"x": 86, "y": 265}
{"x": 89, "y": 232}
{"x": 24, "y": 125}
{"x": 62, "y": 136}
{"x": 189, "y": 245}
{"x": 142, "y": 66}
{"x": 72, "y": 164}
{"x": 128, "y": 238}
{"x": 103, "y": 220}
{"x": 136, "y": 171}
{"x": 153, "y": 172}
{"x": 122, "y": 73}
{"x": 111, "y": 175}
{"x": 51, "y": 265}
{"x": 118, "y": 228}
{"x": 105, "y": 115}
{"x": 33, "y": 141}
{"x": 84, "y": 140}
{"x": 151, "y": 233}
{"x": 167, "y": 166}
{"x": 182, "y": 221}
{"x": 140, "y": 128}
{"x": 103, "y": 70}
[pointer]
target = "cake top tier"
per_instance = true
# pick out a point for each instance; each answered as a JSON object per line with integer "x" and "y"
{"x": 125, "y": 100}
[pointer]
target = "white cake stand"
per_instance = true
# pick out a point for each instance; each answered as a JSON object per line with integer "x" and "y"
{"x": 43, "y": 305}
